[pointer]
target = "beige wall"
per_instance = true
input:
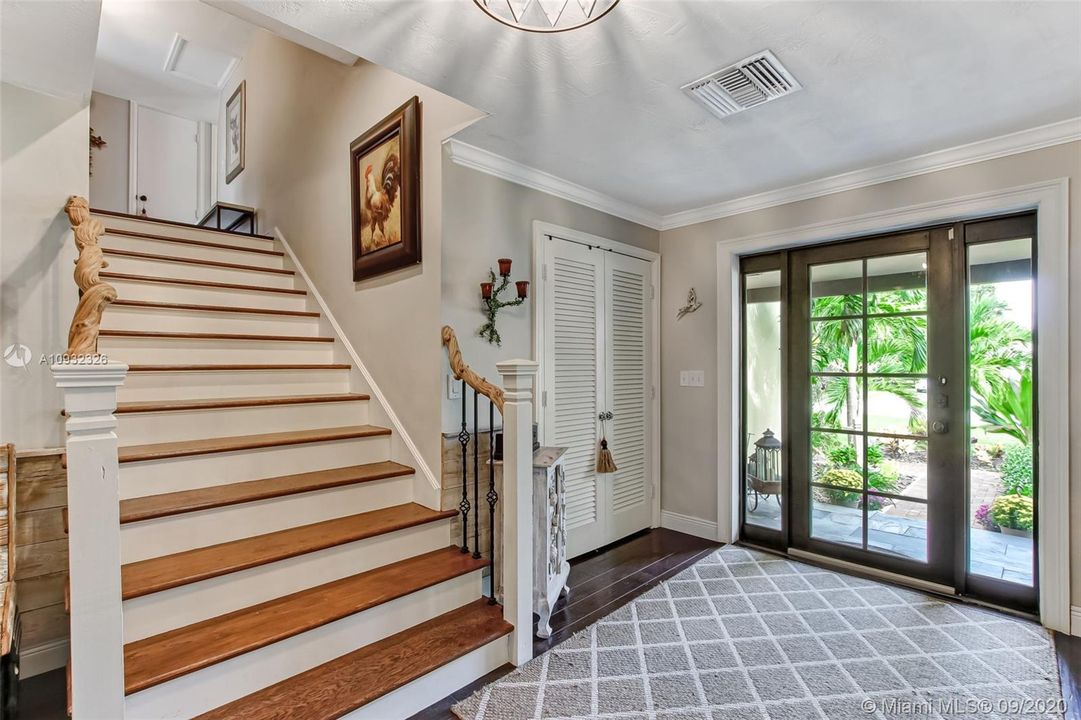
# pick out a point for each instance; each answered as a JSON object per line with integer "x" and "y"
{"x": 110, "y": 118}
{"x": 303, "y": 111}
{"x": 689, "y": 257}
{"x": 44, "y": 160}
{"x": 486, "y": 218}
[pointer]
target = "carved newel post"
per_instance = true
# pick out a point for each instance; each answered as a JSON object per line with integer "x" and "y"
{"x": 517, "y": 501}
{"x": 97, "y": 624}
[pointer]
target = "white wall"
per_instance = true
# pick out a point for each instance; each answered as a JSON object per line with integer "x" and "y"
{"x": 110, "y": 118}
{"x": 487, "y": 218}
{"x": 689, "y": 415}
{"x": 44, "y": 161}
{"x": 303, "y": 111}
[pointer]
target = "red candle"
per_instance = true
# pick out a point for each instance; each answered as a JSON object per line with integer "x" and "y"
{"x": 523, "y": 288}
{"x": 504, "y": 266}
{"x": 486, "y": 291}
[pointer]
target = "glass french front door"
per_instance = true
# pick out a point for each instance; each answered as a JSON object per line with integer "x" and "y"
{"x": 888, "y": 405}
{"x": 871, "y": 380}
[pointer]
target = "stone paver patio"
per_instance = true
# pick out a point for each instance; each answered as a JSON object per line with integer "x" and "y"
{"x": 993, "y": 554}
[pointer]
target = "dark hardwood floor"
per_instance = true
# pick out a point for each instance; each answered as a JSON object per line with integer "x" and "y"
{"x": 599, "y": 583}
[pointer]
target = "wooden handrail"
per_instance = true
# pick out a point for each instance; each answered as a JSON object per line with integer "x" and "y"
{"x": 464, "y": 372}
{"x": 94, "y": 293}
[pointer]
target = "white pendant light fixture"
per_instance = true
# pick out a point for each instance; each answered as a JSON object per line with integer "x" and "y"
{"x": 546, "y": 16}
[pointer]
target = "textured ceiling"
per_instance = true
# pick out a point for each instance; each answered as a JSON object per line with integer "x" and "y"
{"x": 49, "y": 46}
{"x": 601, "y": 106}
{"x": 135, "y": 39}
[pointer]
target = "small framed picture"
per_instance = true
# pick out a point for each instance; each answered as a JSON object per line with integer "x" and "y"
{"x": 385, "y": 185}
{"x": 235, "y": 116}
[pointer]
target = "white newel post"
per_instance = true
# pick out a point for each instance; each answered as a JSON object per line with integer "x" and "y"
{"x": 97, "y": 624}
{"x": 517, "y": 502}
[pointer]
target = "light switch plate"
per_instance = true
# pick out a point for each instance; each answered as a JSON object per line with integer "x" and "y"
{"x": 692, "y": 378}
{"x": 454, "y": 388}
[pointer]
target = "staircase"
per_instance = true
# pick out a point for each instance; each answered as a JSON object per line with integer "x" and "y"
{"x": 275, "y": 564}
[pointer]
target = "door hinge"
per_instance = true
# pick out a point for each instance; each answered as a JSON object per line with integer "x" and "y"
{"x": 652, "y": 293}
{"x": 544, "y": 398}
{"x": 653, "y": 392}
{"x": 950, "y": 235}
{"x": 652, "y": 491}
{"x": 544, "y": 271}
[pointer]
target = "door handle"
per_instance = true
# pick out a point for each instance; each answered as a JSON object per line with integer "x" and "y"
{"x": 606, "y": 415}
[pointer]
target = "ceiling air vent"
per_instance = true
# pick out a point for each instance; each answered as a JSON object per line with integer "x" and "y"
{"x": 753, "y": 81}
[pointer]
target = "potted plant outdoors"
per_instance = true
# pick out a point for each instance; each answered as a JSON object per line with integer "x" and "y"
{"x": 1013, "y": 515}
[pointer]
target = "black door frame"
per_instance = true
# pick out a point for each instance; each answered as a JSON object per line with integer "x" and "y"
{"x": 948, "y": 453}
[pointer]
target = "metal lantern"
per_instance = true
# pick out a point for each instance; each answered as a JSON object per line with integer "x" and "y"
{"x": 767, "y": 459}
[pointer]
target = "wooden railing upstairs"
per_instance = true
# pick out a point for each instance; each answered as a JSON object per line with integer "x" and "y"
{"x": 94, "y": 293}
{"x": 515, "y": 403}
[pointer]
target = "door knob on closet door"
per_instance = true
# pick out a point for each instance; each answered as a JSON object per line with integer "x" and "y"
{"x": 606, "y": 415}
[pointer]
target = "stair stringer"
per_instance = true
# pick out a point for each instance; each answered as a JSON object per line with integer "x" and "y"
{"x": 426, "y": 486}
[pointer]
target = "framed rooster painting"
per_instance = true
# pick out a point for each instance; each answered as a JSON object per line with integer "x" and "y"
{"x": 385, "y": 185}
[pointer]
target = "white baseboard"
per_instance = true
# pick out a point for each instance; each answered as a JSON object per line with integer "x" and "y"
{"x": 43, "y": 658}
{"x": 689, "y": 524}
{"x": 1075, "y": 620}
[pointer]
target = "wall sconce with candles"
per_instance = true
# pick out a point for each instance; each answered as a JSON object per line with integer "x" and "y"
{"x": 490, "y": 293}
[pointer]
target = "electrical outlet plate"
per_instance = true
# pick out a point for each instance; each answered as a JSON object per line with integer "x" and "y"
{"x": 692, "y": 378}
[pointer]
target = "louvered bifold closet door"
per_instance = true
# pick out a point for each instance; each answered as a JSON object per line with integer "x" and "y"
{"x": 573, "y": 383}
{"x": 628, "y": 388}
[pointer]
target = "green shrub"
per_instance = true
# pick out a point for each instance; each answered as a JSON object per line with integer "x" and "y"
{"x": 843, "y": 456}
{"x": 1012, "y": 511}
{"x": 1017, "y": 470}
{"x": 841, "y": 478}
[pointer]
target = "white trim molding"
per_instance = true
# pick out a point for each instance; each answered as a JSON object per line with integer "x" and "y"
{"x": 1075, "y": 621}
{"x": 689, "y": 524}
{"x": 488, "y": 162}
{"x": 1036, "y": 138}
{"x": 427, "y": 489}
{"x": 42, "y": 658}
{"x": 1050, "y": 200}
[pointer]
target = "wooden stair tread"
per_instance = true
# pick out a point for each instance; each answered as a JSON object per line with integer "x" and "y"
{"x": 183, "y": 501}
{"x": 156, "y": 574}
{"x": 195, "y": 261}
{"x": 185, "y": 448}
{"x": 153, "y": 305}
{"x": 344, "y": 684}
{"x": 238, "y": 366}
{"x": 196, "y": 243}
{"x": 235, "y": 402}
{"x": 212, "y": 336}
{"x": 175, "y": 223}
{"x": 184, "y": 650}
{"x": 199, "y": 283}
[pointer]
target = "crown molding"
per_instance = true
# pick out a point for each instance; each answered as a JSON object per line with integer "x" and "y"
{"x": 1036, "y": 138}
{"x": 488, "y": 162}
{"x": 1011, "y": 144}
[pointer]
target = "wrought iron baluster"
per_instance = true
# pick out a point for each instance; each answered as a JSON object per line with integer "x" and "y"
{"x": 463, "y": 440}
{"x": 492, "y": 498}
{"x": 476, "y": 479}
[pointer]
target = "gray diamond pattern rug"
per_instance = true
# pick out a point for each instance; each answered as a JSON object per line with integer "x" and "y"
{"x": 744, "y": 635}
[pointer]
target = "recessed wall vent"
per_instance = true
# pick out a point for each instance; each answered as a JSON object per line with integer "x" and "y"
{"x": 752, "y": 81}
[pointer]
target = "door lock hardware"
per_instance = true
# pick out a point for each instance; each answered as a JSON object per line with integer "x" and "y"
{"x": 940, "y": 427}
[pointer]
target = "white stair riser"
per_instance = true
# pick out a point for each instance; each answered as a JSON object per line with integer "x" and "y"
{"x": 153, "y": 228}
{"x": 140, "y": 386}
{"x": 162, "y": 247}
{"x": 140, "y": 428}
{"x": 230, "y": 297}
{"x": 168, "y": 535}
{"x": 216, "y": 685}
{"x": 169, "y": 609}
{"x": 187, "y": 271}
{"x": 410, "y": 699}
{"x": 151, "y": 477}
{"x": 148, "y": 351}
{"x": 121, "y": 317}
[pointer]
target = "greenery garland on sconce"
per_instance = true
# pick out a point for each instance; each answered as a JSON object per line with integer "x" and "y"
{"x": 492, "y": 304}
